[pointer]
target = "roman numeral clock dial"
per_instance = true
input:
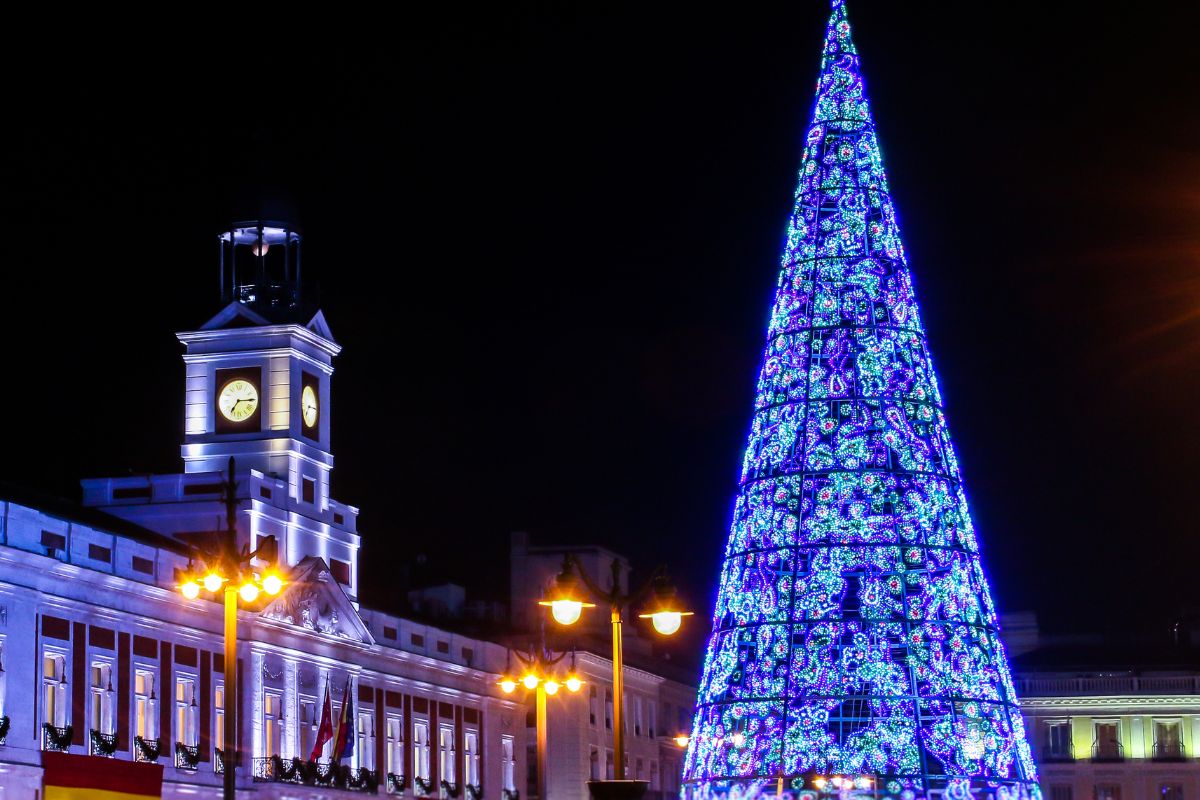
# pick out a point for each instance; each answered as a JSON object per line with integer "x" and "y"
{"x": 238, "y": 400}
{"x": 308, "y": 407}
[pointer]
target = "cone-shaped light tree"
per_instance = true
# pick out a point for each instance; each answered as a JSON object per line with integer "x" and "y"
{"x": 854, "y": 633}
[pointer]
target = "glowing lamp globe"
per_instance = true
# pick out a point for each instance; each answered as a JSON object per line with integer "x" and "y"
{"x": 531, "y": 681}
{"x": 272, "y": 584}
{"x": 190, "y": 589}
{"x": 566, "y": 612}
{"x": 249, "y": 592}
{"x": 212, "y": 582}
{"x": 682, "y": 740}
{"x": 552, "y": 687}
{"x": 573, "y": 683}
{"x": 508, "y": 685}
{"x": 667, "y": 622}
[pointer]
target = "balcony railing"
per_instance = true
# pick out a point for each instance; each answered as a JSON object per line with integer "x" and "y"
{"x": 1058, "y": 752}
{"x": 56, "y": 739}
{"x": 395, "y": 783}
{"x": 186, "y": 756}
{"x": 5, "y": 723}
{"x": 1108, "y": 750}
{"x": 146, "y": 749}
{"x": 218, "y": 760}
{"x": 1108, "y": 685}
{"x": 312, "y": 773}
{"x": 1169, "y": 751}
{"x": 103, "y": 744}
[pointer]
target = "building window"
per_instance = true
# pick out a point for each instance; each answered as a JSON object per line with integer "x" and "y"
{"x": 54, "y": 689}
{"x": 608, "y": 765}
{"x": 421, "y": 749}
{"x": 416, "y": 639}
{"x": 340, "y": 571}
{"x": 143, "y": 565}
{"x": 471, "y": 745}
{"x": 638, "y": 725}
{"x": 507, "y": 766}
{"x": 366, "y": 740}
{"x": 185, "y": 711}
{"x": 219, "y": 716}
{"x": 53, "y": 541}
{"x": 338, "y": 519}
{"x": 389, "y": 632}
{"x": 395, "y": 746}
{"x": 101, "y": 696}
{"x": 272, "y": 724}
{"x": 1108, "y": 791}
{"x": 653, "y": 714}
{"x": 654, "y": 775}
{"x": 592, "y": 707}
{"x": 1107, "y": 745}
{"x": 594, "y": 772}
{"x": 641, "y": 769}
{"x": 1061, "y": 791}
{"x": 446, "y": 754}
{"x": 608, "y": 710}
{"x": 264, "y": 492}
{"x": 1168, "y": 741}
{"x": 1170, "y": 791}
{"x": 308, "y": 490}
{"x": 1059, "y": 745}
{"x": 98, "y": 553}
{"x": 443, "y": 647}
{"x": 144, "y": 703}
{"x": 308, "y": 726}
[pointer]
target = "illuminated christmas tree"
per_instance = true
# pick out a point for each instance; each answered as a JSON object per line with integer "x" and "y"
{"x": 854, "y": 635}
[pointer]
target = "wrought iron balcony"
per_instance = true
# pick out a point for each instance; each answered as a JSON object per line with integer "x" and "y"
{"x": 186, "y": 756}
{"x": 274, "y": 769}
{"x": 146, "y": 749}
{"x": 56, "y": 739}
{"x": 395, "y": 783}
{"x": 5, "y": 723}
{"x": 218, "y": 760}
{"x": 103, "y": 744}
{"x": 1169, "y": 751}
{"x": 1108, "y": 750}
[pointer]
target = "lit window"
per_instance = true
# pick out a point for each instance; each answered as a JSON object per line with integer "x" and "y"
{"x": 144, "y": 704}
{"x": 471, "y": 748}
{"x": 54, "y": 689}
{"x": 219, "y": 717}
{"x": 421, "y": 750}
{"x": 101, "y": 693}
{"x": 1058, "y": 741}
{"x": 1168, "y": 741}
{"x": 446, "y": 754}
{"x": 507, "y": 766}
{"x": 185, "y": 711}
{"x": 365, "y": 749}
{"x": 1108, "y": 791}
{"x": 1107, "y": 745}
{"x": 395, "y": 746}
{"x": 272, "y": 724}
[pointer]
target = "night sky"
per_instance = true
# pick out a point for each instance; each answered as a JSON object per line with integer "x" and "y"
{"x": 548, "y": 239}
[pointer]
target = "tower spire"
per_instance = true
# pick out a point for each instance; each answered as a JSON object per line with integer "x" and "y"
{"x": 854, "y": 632}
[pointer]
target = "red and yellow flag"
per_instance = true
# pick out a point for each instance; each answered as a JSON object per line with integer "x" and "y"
{"x": 69, "y": 777}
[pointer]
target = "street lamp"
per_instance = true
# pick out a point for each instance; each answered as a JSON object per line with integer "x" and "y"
{"x": 541, "y": 676}
{"x": 223, "y": 566}
{"x": 664, "y": 612}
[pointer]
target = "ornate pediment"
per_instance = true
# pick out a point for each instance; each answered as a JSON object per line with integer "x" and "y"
{"x": 313, "y": 600}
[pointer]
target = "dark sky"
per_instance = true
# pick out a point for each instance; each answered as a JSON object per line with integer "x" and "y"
{"x": 548, "y": 238}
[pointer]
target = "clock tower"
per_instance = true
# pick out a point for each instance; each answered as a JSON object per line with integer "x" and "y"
{"x": 257, "y": 390}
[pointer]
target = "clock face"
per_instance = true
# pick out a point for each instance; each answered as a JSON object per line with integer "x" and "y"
{"x": 238, "y": 400}
{"x": 308, "y": 407}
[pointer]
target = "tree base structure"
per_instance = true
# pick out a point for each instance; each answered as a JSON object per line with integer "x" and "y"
{"x": 617, "y": 790}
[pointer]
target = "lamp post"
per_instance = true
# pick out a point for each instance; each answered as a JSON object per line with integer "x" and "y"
{"x": 222, "y": 570}
{"x": 567, "y": 601}
{"x": 539, "y": 674}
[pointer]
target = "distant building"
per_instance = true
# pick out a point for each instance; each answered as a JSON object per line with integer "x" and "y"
{"x": 1109, "y": 721}
{"x": 659, "y": 695}
{"x": 102, "y": 655}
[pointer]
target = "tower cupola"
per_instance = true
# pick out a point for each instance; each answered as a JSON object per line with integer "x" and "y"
{"x": 260, "y": 265}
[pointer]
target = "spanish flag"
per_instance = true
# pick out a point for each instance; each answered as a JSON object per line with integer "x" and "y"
{"x": 69, "y": 777}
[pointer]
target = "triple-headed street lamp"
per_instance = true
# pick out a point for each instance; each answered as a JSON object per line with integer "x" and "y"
{"x": 221, "y": 567}
{"x": 539, "y": 672}
{"x": 567, "y": 599}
